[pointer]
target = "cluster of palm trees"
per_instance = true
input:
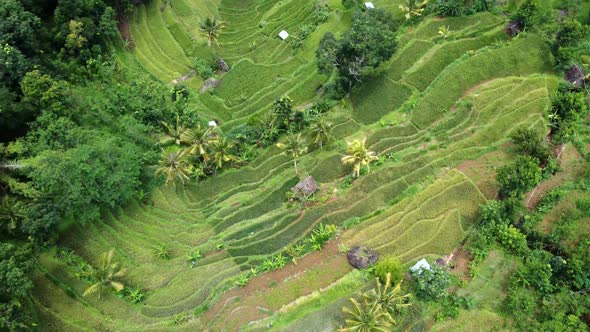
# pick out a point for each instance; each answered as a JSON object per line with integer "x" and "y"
{"x": 358, "y": 156}
{"x": 376, "y": 309}
{"x": 203, "y": 151}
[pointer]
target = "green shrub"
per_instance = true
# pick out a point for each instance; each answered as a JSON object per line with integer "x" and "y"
{"x": 389, "y": 265}
{"x": 519, "y": 177}
{"x": 530, "y": 142}
{"x": 431, "y": 284}
{"x": 203, "y": 68}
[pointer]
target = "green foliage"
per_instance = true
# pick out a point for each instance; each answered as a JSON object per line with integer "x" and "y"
{"x": 193, "y": 257}
{"x": 527, "y": 14}
{"x": 567, "y": 108}
{"x": 360, "y": 51}
{"x": 567, "y": 40}
{"x": 203, "y": 68}
{"x": 530, "y": 142}
{"x": 134, "y": 295}
{"x": 162, "y": 251}
{"x": 431, "y": 284}
{"x": 519, "y": 177}
{"x": 447, "y": 8}
{"x": 389, "y": 266}
{"x": 16, "y": 264}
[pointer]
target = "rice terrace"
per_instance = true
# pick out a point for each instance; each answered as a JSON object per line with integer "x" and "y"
{"x": 294, "y": 165}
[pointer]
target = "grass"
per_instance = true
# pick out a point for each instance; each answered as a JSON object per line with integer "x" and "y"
{"x": 413, "y": 205}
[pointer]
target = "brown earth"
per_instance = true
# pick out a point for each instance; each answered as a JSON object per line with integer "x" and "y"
{"x": 268, "y": 292}
{"x": 125, "y": 30}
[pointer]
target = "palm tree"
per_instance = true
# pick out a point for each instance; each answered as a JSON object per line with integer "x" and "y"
{"x": 11, "y": 213}
{"x": 212, "y": 29}
{"x": 198, "y": 140}
{"x": 105, "y": 275}
{"x": 366, "y": 317}
{"x": 294, "y": 148}
{"x": 358, "y": 156}
{"x": 174, "y": 166}
{"x": 221, "y": 152}
{"x": 387, "y": 297}
{"x": 173, "y": 132}
{"x": 321, "y": 132}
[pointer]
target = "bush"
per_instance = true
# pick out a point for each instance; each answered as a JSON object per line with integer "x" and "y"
{"x": 448, "y": 7}
{"x": 431, "y": 284}
{"x": 567, "y": 107}
{"x": 530, "y": 142}
{"x": 203, "y": 68}
{"x": 389, "y": 265}
{"x": 519, "y": 177}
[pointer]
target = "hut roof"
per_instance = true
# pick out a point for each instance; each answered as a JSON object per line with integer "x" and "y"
{"x": 576, "y": 75}
{"x": 420, "y": 265}
{"x": 306, "y": 187}
{"x": 362, "y": 257}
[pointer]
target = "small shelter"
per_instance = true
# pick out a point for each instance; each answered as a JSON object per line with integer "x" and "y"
{"x": 212, "y": 123}
{"x": 283, "y": 34}
{"x": 369, "y": 5}
{"x": 576, "y": 76}
{"x": 305, "y": 188}
{"x": 362, "y": 257}
{"x": 419, "y": 266}
{"x": 210, "y": 84}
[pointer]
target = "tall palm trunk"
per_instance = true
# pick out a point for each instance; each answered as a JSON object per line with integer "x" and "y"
{"x": 295, "y": 163}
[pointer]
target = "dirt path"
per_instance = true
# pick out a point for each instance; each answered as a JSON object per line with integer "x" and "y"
{"x": 184, "y": 77}
{"x": 571, "y": 165}
{"x": 268, "y": 292}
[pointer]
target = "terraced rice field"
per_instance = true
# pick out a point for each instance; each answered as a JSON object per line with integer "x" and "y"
{"x": 437, "y": 103}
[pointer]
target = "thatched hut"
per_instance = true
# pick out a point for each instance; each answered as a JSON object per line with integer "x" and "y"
{"x": 304, "y": 189}
{"x": 514, "y": 28}
{"x": 362, "y": 257}
{"x": 576, "y": 76}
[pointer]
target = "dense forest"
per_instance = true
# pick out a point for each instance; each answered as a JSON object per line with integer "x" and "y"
{"x": 87, "y": 129}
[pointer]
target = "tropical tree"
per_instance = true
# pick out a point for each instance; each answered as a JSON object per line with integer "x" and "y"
{"x": 366, "y": 317}
{"x": 294, "y": 148}
{"x": 221, "y": 152}
{"x": 212, "y": 29}
{"x": 389, "y": 298}
{"x": 105, "y": 275}
{"x": 12, "y": 212}
{"x": 321, "y": 132}
{"x": 173, "y": 132}
{"x": 174, "y": 165}
{"x": 358, "y": 156}
{"x": 198, "y": 140}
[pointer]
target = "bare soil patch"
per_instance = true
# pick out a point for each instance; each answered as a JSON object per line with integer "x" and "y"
{"x": 125, "y": 30}
{"x": 268, "y": 292}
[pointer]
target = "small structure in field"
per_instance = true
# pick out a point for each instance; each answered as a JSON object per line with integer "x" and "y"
{"x": 212, "y": 123}
{"x": 222, "y": 65}
{"x": 419, "y": 266}
{"x": 513, "y": 28}
{"x": 304, "y": 189}
{"x": 362, "y": 257}
{"x": 209, "y": 84}
{"x": 576, "y": 76}
{"x": 283, "y": 34}
{"x": 369, "y": 5}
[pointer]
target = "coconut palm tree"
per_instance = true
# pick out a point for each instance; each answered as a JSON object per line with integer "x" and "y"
{"x": 105, "y": 275}
{"x": 358, "y": 156}
{"x": 388, "y": 297}
{"x": 212, "y": 29}
{"x": 294, "y": 148}
{"x": 198, "y": 140}
{"x": 221, "y": 152}
{"x": 174, "y": 165}
{"x": 366, "y": 317}
{"x": 321, "y": 131}
{"x": 173, "y": 132}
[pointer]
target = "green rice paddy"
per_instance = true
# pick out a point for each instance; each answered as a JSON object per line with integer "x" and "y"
{"x": 436, "y": 104}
